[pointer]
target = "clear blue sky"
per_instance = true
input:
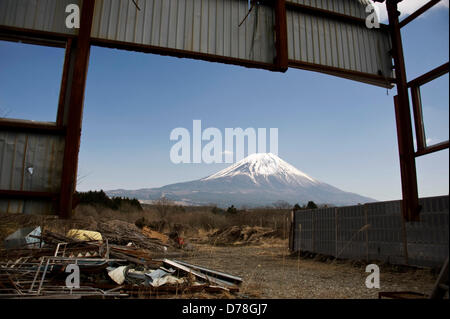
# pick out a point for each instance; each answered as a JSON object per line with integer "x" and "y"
{"x": 338, "y": 131}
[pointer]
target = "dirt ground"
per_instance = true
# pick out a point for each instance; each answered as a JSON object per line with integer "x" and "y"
{"x": 269, "y": 272}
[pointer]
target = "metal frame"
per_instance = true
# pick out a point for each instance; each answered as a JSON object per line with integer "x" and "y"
{"x": 414, "y": 85}
{"x": 410, "y": 204}
{"x": 70, "y": 106}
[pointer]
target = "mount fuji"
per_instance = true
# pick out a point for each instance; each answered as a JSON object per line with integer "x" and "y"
{"x": 257, "y": 180}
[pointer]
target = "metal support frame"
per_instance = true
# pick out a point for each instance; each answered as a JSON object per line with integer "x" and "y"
{"x": 308, "y": 9}
{"x": 281, "y": 42}
{"x": 410, "y": 204}
{"x": 70, "y": 109}
{"x": 79, "y": 57}
{"x": 419, "y": 12}
{"x": 414, "y": 85}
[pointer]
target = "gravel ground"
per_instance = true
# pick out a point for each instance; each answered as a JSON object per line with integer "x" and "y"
{"x": 269, "y": 272}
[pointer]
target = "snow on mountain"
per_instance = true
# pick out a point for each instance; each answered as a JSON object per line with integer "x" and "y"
{"x": 262, "y": 165}
{"x": 257, "y": 180}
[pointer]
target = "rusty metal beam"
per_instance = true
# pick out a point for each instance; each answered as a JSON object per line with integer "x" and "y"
{"x": 419, "y": 12}
{"x": 281, "y": 43}
{"x": 34, "y": 36}
{"x": 63, "y": 88}
{"x": 328, "y": 14}
{"x": 433, "y": 148}
{"x": 422, "y": 148}
{"x": 430, "y": 76}
{"x": 30, "y": 126}
{"x": 410, "y": 203}
{"x": 13, "y": 194}
{"x": 77, "y": 82}
{"x": 113, "y": 44}
{"x": 387, "y": 82}
{"x": 418, "y": 118}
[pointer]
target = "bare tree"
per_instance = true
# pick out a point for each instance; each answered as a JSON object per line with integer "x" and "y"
{"x": 4, "y": 112}
{"x": 163, "y": 206}
{"x": 281, "y": 204}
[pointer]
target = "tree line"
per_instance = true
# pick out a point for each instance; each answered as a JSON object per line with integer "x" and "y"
{"x": 100, "y": 198}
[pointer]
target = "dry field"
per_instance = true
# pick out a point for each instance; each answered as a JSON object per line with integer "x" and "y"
{"x": 267, "y": 269}
{"x": 269, "y": 272}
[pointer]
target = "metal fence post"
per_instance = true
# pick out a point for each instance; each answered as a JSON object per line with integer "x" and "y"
{"x": 367, "y": 232}
{"x": 336, "y": 225}
{"x": 405, "y": 241}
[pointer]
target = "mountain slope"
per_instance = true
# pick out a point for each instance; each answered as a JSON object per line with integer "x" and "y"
{"x": 257, "y": 180}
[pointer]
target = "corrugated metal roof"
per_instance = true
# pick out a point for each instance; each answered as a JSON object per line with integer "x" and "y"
{"x": 212, "y": 27}
{"x": 203, "y": 26}
{"x": 348, "y": 46}
{"x": 42, "y": 15}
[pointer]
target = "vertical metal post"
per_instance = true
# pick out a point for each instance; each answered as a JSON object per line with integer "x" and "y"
{"x": 405, "y": 242}
{"x": 313, "y": 248}
{"x": 336, "y": 223}
{"x": 418, "y": 118}
{"x": 366, "y": 218}
{"x": 80, "y": 50}
{"x": 292, "y": 232}
{"x": 410, "y": 203}
{"x": 281, "y": 59}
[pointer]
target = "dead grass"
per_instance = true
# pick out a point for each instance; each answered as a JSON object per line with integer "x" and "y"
{"x": 269, "y": 272}
{"x": 191, "y": 221}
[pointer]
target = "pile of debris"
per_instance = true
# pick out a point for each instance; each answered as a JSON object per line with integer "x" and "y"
{"x": 120, "y": 262}
{"x": 241, "y": 235}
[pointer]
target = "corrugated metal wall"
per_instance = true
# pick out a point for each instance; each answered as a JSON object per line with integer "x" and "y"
{"x": 203, "y": 26}
{"x": 354, "y": 8}
{"x": 30, "y": 162}
{"x": 374, "y": 232}
{"x": 42, "y": 15}
{"x": 332, "y": 43}
{"x": 212, "y": 27}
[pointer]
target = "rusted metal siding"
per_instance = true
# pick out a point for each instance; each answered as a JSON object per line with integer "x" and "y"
{"x": 39, "y": 15}
{"x": 331, "y": 43}
{"x": 209, "y": 29}
{"x": 29, "y": 162}
{"x": 204, "y": 26}
{"x": 354, "y": 8}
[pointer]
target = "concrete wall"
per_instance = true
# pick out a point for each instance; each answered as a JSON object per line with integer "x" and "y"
{"x": 376, "y": 232}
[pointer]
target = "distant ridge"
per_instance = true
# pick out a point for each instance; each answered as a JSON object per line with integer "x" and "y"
{"x": 258, "y": 180}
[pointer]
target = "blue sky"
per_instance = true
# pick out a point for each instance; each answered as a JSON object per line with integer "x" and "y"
{"x": 338, "y": 131}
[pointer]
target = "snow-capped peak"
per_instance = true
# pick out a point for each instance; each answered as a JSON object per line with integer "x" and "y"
{"x": 265, "y": 165}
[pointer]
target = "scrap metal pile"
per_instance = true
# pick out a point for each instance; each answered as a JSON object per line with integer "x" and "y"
{"x": 85, "y": 264}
